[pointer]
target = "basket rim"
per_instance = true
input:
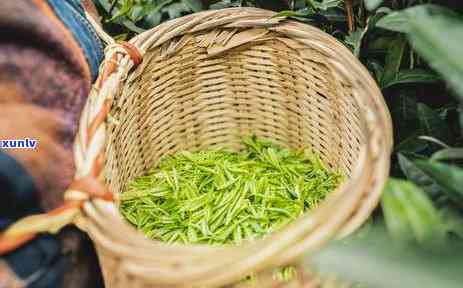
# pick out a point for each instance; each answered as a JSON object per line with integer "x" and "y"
{"x": 102, "y": 219}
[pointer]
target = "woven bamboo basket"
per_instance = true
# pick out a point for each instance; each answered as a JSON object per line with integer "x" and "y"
{"x": 206, "y": 80}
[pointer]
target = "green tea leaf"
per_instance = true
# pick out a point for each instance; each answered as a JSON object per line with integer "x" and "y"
{"x": 219, "y": 196}
{"x": 294, "y": 14}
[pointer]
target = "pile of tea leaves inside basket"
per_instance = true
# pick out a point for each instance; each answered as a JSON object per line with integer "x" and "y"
{"x": 220, "y": 197}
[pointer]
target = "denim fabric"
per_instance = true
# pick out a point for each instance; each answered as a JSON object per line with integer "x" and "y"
{"x": 45, "y": 265}
{"x": 72, "y": 14}
{"x": 18, "y": 190}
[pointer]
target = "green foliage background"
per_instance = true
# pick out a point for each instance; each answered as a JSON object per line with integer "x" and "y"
{"x": 414, "y": 50}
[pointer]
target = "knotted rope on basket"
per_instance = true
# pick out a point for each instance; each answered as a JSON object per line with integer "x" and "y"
{"x": 87, "y": 183}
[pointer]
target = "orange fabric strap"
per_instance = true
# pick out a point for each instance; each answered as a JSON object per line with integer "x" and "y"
{"x": 28, "y": 228}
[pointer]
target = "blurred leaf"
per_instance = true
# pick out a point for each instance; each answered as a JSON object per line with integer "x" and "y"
{"x": 194, "y": 5}
{"x": 448, "y": 154}
{"x": 409, "y": 213}
{"x": 153, "y": 13}
{"x": 453, "y": 220}
{"x": 153, "y": 19}
{"x": 136, "y": 13}
{"x": 393, "y": 60}
{"x": 434, "y": 141}
{"x": 395, "y": 214}
{"x": 411, "y": 76}
{"x": 121, "y": 37}
{"x": 384, "y": 10}
{"x": 460, "y": 114}
{"x": 132, "y": 27}
{"x": 372, "y": 4}
{"x": 449, "y": 177}
{"x": 374, "y": 261}
{"x": 436, "y": 35}
{"x": 417, "y": 176}
{"x": 176, "y": 10}
{"x": 105, "y": 4}
{"x": 405, "y": 20}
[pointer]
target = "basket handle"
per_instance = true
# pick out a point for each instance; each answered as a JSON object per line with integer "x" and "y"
{"x": 87, "y": 187}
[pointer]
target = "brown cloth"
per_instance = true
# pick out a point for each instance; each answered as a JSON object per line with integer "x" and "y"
{"x": 44, "y": 82}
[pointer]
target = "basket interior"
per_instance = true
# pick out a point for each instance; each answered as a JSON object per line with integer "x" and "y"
{"x": 181, "y": 98}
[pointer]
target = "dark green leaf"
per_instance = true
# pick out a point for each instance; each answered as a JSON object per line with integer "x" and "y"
{"x": 406, "y": 123}
{"x": 412, "y": 76}
{"x": 393, "y": 60}
{"x": 225, "y": 4}
{"x": 449, "y": 177}
{"x": 327, "y": 4}
{"x": 435, "y": 33}
{"x": 354, "y": 40}
{"x": 377, "y": 70}
{"x": 176, "y": 10}
{"x": 381, "y": 43}
{"x": 431, "y": 123}
{"x": 195, "y": 5}
{"x": 132, "y": 27}
{"x": 105, "y": 4}
{"x": 153, "y": 19}
{"x": 417, "y": 176}
{"x": 460, "y": 114}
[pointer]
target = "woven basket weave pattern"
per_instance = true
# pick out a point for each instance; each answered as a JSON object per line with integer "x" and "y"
{"x": 207, "y": 80}
{"x": 277, "y": 89}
